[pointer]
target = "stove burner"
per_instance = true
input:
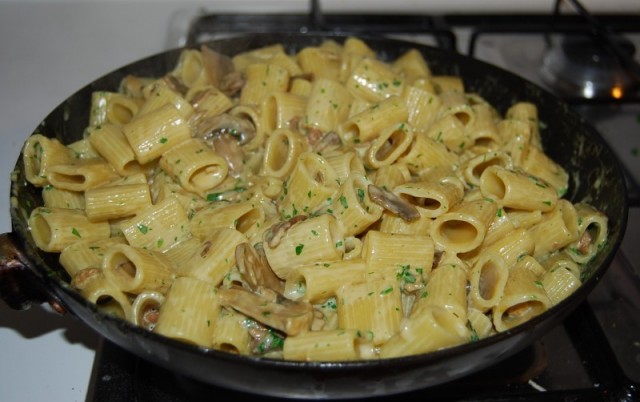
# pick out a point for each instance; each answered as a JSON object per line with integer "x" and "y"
{"x": 583, "y": 67}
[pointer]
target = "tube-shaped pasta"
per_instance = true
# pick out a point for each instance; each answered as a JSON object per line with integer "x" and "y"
{"x": 558, "y": 229}
{"x": 392, "y": 142}
{"x": 423, "y": 107}
{"x": 480, "y": 324}
{"x": 189, "y": 312}
{"x": 313, "y": 240}
{"x": 528, "y": 113}
{"x": 447, "y": 288}
{"x": 230, "y": 333}
{"x": 345, "y": 163}
{"x": 281, "y": 153}
{"x": 86, "y": 254}
{"x": 561, "y": 260}
{"x": 328, "y": 105}
{"x": 374, "y": 80}
{"x": 156, "y": 132}
{"x": 134, "y": 270}
{"x": 81, "y": 175}
{"x": 517, "y": 190}
{"x": 109, "y": 141}
{"x": 319, "y": 282}
{"x": 391, "y": 223}
{"x": 312, "y": 183}
{"x": 209, "y": 101}
{"x": 319, "y": 62}
{"x": 368, "y": 124}
{"x": 390, "y": 176}
{"x": 263, "y": 79}
{"x": 97, "y": 289}
{"x": 195, "y": 166}
{"x": 475, "y": 166}
{"x": 524, "y": 298}
{"x": 53, "y": 229}
{"x": 246, "y": 217}
{"x": 111, "y": 108}
{"x": 373, "y": 307}
{"x": 353, "y": 207}
{"x": 455, "y": 103}
{"x": 327, "y": 345}
{"x": 426, "y": 153}
{"x": 158, "y": 227}
{"x": 282, "y": 109}
{"x": 463, "y": 228}
{"x": 159, "y": 95}
{"x": 427, "y": 329}
{"x": 39, "y": 154}
{"x": 431, "y": 199}
{"x": 487, "y": 280}
{"x": 145, "y": 308}
{"x": 112, "y": 202}
{"x": 517, "y": 139}
{"x": 190, "y": 68}
{"x": 251, "y": 114}
{"x": 483, "y": 133}
{"x": 446, "y": 83}
{"x": 540, "y": 165}
{"x": 413, "y": 65}
{"x": 559, "y": 283}
{"x": 389, "y": 254}
{"x": 216, "y": 255}
{"x": 58, "y": 198}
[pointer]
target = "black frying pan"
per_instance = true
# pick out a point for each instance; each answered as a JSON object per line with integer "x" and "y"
{"x": 28, "y": 275}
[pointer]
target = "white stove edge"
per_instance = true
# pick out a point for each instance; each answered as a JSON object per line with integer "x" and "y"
{"x": 50, "y": 49}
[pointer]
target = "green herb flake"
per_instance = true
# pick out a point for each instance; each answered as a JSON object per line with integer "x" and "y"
{"x": 75, "y": 232}
{"x": 314, "y": 232}
{"x": 299, "y": 248}
{"x": 547, "y": 203}
{"x": 339, "y": 243}
{"x": 142, "y": 228}
{"x": 159, "y": 243}
{"x": 343, "y": 201}
{"x": 539, "y": 284}
{"x": 499, "y": 213}
{"x": 360, "y": 194}
{"x": 163, "y": 140}
{"x": 386, "y": 291}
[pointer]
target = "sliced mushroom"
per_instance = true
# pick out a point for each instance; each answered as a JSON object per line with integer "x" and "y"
{"x": 217, "y": 65}
{"x": 255, "y": 269}
{"x": 263, "y": 339}
{"x": 232, "y": 83}
{"x": 290, "y": 317}
{"x": 393, "y": 203}
{"x": 328, "y": 141}
{"x": 585, "y": 242}
{"x": 207, "y": 128}
{"x": 174, "y": 84}
{"x": 227, "y": 147}
{"x": 82, "y": 278}
{"x": 275, "y": 233}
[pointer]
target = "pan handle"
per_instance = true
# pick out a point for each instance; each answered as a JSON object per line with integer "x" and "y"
{"x": 20, "y": 287}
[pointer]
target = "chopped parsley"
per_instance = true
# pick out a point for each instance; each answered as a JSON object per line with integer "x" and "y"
{"x": 142, "y": 228}
{"x": 299, "y": 248}
{"x": 343, "y": 201}
{"x": 75, "y": 232}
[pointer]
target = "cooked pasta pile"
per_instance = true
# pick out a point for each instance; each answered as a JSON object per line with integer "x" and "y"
{"x": 323, "y": 206}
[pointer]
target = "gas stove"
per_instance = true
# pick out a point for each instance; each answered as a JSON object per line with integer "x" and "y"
{"x": 593, "y": 355}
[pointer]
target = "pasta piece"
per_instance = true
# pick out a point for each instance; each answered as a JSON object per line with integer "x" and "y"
{"x": 111, "y": 108}
{"x": 487, "y": 280}
{"x": 480, "y": 325}
{"x": 399, "y": 256}
{"x": 463, "y": 228}
{"x": 246, "y": 217}
{"x": 86, "y": 254}
{"x": 388, "y": 146}
{"x": 319, "y": 63}
{"x": 455, "y": 104}
{"x": 328, "y": 105}
{"x": 423, "y": 107}
{"x": 558, "y": 229}
{"x": 189, "y": 312}
{"x": 344, "y": 164}
{"x": 483, "y": 133}
{"x": 57, "y": 198}
{"x": 517, "y": 190}
{"x": 53, "y": 229}
{"x": 447, "y": 288}
{"x": 145, "y": 308}
{"x": 190, "y": 69}
{"x": 81, "y": 175}
{"x": 319, "y": 282}
{"x": 119, "y": 201}
{"x": 216, "y": 256}
{"x": 524, "y": 298}
{"x": 307, "y": 242}
{"x": 161, "y": 96}
{"x": 282, "y": 109}
{"x": 262, "y": 80}
{"x": 156, "y": 132}
{"x": 209, "y": 101}
{"x": 39, "y": 154}
{"x": 412, "y": 65}
{"x": 559, "y": 283}
{"x": 134, "y": 270}
{"x": 369, "y": 123}
{"x": 431, "y": 199}
{"x": 474, "y": 167}
{"x": 230, "y": 334}
{"x": 195, "y": 166}
{"x": 353, "y": 207}
{"x": 281, "y": 153}
{"x": 158, "y": 227}
{"x": 374, "y": 308}
{"x": 97, "y": 289}
{"x": 374, "y": 81}
{"x": 109, "y": 141}
{"x": 447, "y": 83}
{"x": 334, "y": 345}
{"x": 426, "y": 153}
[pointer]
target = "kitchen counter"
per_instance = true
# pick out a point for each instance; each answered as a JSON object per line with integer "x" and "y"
{"x": 49, "y": 49}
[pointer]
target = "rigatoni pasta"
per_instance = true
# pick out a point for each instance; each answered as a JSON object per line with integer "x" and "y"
{"x": 326, "y": 205}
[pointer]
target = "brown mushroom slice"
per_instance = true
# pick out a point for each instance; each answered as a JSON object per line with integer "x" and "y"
{"x": 227, "y": 147}
{"x": 275, "y": 233}
{"x": 232, "y": 83}
{"x": 290, "y": 317}
{"x": 237, "y": 127}
{"x": 393, "y": 203}
{"x": 216, "y": 64}
{"x": 255, "y": 269}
